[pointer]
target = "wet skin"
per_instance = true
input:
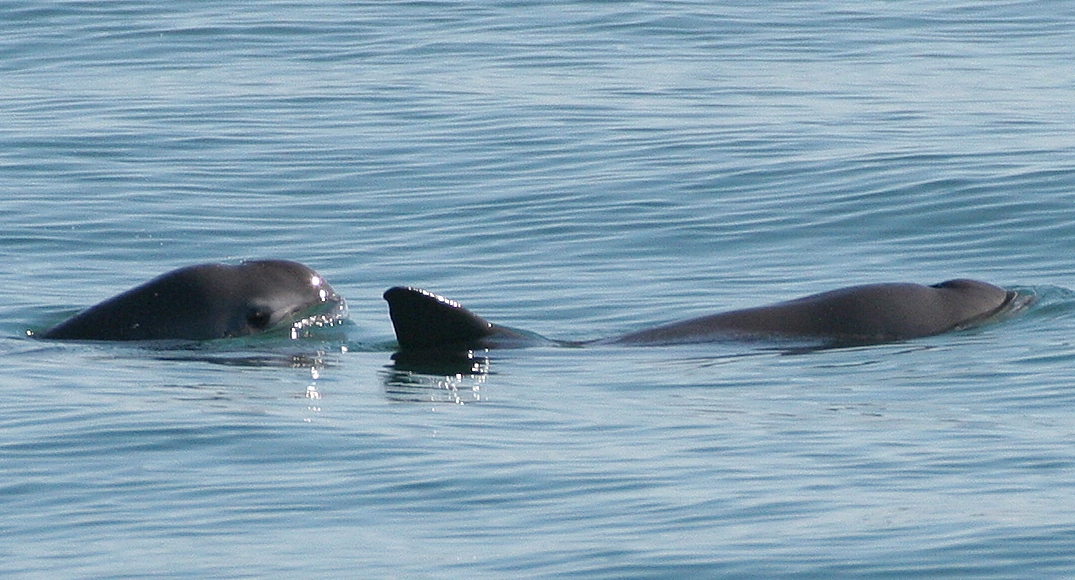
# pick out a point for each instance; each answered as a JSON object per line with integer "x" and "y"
{"x": 868, "y": 314}
{"x": 207, "y": 301}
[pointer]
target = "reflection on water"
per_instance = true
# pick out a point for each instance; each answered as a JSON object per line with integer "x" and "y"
{"x": 435, "y": 377}
{"x": 313, "y": 359}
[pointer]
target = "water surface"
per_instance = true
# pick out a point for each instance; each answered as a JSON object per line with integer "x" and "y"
{"x": 579, "y": 169}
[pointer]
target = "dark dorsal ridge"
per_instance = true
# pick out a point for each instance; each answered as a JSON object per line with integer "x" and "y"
{"x": 426, "y": 321}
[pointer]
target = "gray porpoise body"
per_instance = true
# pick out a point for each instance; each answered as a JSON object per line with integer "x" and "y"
{"x": 873, "y": 313}
{"x": 205, "y": 302}
{"x": 868, "y": 314}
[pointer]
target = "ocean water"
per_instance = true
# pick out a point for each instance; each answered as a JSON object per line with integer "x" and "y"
{"x": 580, "y": 169}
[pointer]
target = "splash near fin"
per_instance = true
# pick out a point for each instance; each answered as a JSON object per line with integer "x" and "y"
{"x": 426, "y": 321}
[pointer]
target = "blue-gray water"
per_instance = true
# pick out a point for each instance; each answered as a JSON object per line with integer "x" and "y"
{"x": 580, "y": 169}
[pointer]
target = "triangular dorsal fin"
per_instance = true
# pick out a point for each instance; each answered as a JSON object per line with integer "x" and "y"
{"x": 426, "y": 321}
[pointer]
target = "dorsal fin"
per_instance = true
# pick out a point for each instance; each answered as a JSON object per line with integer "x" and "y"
{"x": 426, "y": 321}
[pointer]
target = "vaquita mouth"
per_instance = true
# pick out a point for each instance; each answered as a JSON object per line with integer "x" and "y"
{"x": 331, "y": 311}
